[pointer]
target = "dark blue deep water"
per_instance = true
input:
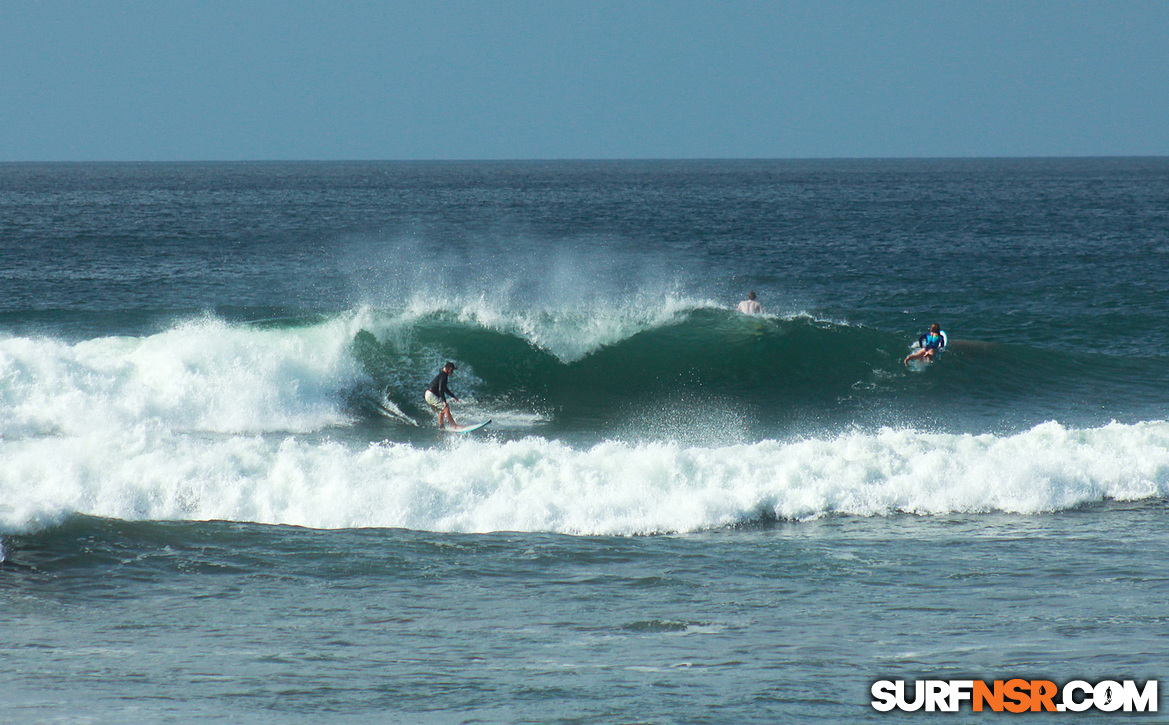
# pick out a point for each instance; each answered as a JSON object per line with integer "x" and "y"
{"x": 222, "y": 497}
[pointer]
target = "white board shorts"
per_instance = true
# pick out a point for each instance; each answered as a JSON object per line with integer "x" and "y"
{"x": 436, "y": 403}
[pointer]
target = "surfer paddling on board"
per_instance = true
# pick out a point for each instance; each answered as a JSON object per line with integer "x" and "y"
{"x": 436, "y": 394}
{"x": 749, "y": 306}
{"x": 931, "y": 343}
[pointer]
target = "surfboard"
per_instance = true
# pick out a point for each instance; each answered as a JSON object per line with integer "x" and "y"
{"x": 468, "y": 429}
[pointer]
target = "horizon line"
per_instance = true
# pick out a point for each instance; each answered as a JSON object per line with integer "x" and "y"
{"x": 599, "y": 159}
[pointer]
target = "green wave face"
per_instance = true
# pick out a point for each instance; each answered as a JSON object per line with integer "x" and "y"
{"x": 791, "y": 373}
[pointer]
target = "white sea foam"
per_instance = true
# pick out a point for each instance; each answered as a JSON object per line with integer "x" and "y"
{"x": 204, "y": 375}
{"x": 565, "y": 297}
{"x": 565, "y": 331}
{"x": 539, "y": 485}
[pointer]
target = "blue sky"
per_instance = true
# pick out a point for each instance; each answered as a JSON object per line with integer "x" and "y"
{"x": 551, "y": 79}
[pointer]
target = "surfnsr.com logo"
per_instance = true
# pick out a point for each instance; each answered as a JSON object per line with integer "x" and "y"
{"x": 1015, "y": 695}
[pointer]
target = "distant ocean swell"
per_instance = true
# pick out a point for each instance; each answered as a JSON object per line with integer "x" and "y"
{"x": 533, "y": 484}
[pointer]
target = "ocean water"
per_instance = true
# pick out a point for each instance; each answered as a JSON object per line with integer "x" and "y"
{"x": 222, "y": 497}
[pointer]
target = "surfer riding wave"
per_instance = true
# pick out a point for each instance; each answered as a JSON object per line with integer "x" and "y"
{"x": 435, "y": 396}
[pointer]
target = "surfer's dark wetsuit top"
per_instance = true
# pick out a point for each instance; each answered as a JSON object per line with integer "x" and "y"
{"x": 439, "y": 387}
{"x": 930, "y": 341}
